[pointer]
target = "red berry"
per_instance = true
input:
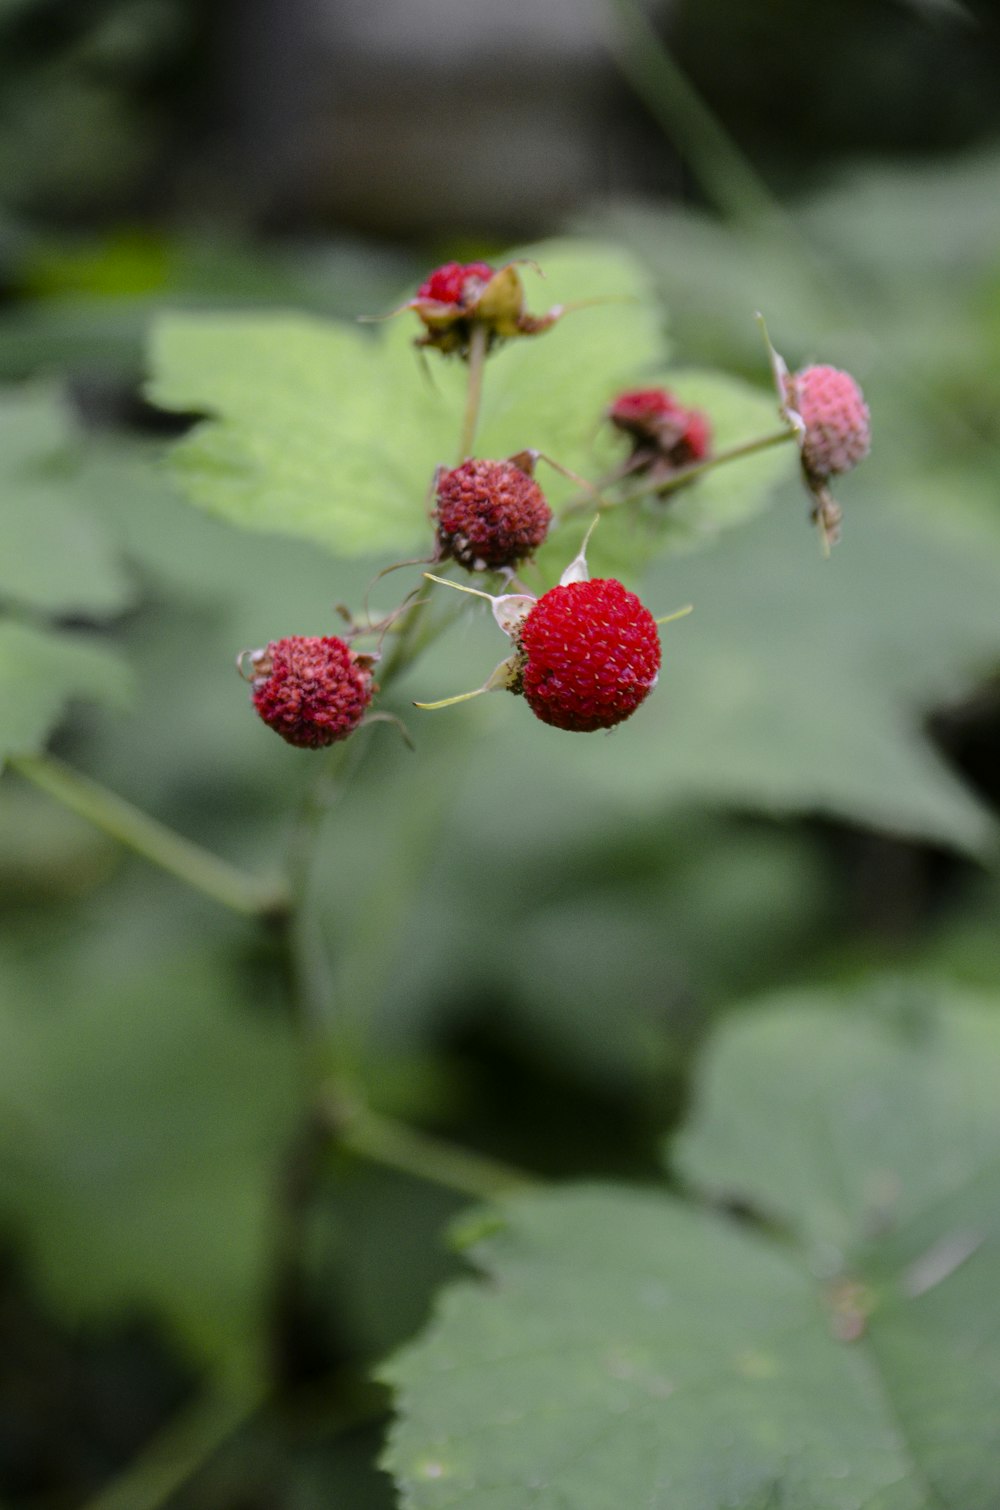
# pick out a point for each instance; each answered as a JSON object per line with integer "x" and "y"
{"x": 642, "y": 407}
{"x": 838, "y": 427}
{"x": 490, "y": 514}
{"x": 696, "y": 442}
{"x": 311, "y": 690}
{"x": 663, "y": 431}
{"x": 590, "y": 655}
{"x": 455, "y": 282}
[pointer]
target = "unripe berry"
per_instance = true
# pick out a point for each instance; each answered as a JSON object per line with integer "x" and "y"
{"x": 490, "y": 515}
{"x": 837, "y": 424}
{"x": 456, "y": 283}
{"x": 462, "y": 300}
{"x": 311, "y": 690}
{"x": 589, "y": 654}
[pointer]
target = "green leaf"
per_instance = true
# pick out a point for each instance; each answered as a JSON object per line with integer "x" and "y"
{"x": 143, "y": 1113}
{"x": 333, "y": 433}
{"x": 630, "y": 1349}
{"x": 40, "y": 673}
{"x": 875, "y": 1116}
{"x": 56, "y": 557}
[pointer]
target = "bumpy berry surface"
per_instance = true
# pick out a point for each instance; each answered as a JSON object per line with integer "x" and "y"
{"x": 490, "y": 514}
{"x": 838, "y": 428}
{"x": 591, "y": 655}
{"x": 447, "y": 284}
{"x": 311, "y": 690}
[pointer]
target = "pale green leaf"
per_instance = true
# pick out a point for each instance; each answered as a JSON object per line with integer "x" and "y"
{"x": 630, "y": 1349}
{"x": 41, "y": 672}
{"x": 332, "y": 432}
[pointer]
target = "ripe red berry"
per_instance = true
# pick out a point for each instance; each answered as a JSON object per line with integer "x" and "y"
{"x": 837, "y": 424}
{"x": 490, "y": 515}
{"x": 456, "y": 282}
{"x": 311, "y": 690}
{"x": 590, "y": 654}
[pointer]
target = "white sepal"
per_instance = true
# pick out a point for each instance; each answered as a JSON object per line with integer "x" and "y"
{"x": 511, "y": 609}
{"x": 577, "y": 570}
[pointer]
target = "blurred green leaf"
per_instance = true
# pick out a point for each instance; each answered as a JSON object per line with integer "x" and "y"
{"x": 877, "y": 1115}
{"x": 631, "y": 1349}
{"x": 57, "y": 557}
{"x": 144, "y": 1107}
{"x": 41, "y": 672}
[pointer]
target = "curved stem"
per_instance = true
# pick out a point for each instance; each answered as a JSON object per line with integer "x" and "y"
{"x": 662, "y": 486}
{"x": 153, "y": 840}
{"x": 399, "y": 1146}
{"x": 725, "y": 174}
{"x": 478, "y": 343}
{"x": 177, "y": 1453}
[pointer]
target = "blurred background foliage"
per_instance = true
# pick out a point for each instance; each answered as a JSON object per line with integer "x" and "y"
{"x": 537, "y": 937}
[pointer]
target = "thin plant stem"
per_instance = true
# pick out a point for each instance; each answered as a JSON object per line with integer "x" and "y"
{"x": 146, "y": 836}
{"x": 478, "y": 343}
{"x": 724, "y": 173}
{"x": 399, "y": 1146}
{"x": 684, "y": 474}
{"x": 177, "y": 1453}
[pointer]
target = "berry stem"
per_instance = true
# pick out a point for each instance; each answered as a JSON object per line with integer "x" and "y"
{"x": 662, "y": 486}
{"x": 179, "y": 1452}
{"x": 722, "y": 170}
{"x": 478, "y": 342}
{"x": 399, "y": 1146}
{"x": 146, "y": 836}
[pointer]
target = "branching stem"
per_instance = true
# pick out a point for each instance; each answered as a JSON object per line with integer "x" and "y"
{"x": 153, "y": 840}
{"x": 478, "y": 343}
{"x": 662, "y": 486}
{"x": 399, "y": 1146}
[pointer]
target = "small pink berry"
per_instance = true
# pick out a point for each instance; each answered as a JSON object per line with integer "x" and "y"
{"x": 837, "y": 423}
{"x": 589, "y": 655}
{"x": 490, "y": 515}
{"x": 311, "y": 690}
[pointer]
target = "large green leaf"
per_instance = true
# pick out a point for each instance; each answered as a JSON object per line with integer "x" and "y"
{"x": 631, "y": 1349}
{"x": 40, "y": 673}
{"x": 331, "y": 432}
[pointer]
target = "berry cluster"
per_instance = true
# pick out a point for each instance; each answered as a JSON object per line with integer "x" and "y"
{"x": 586, "y": 653}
